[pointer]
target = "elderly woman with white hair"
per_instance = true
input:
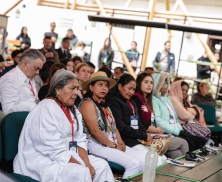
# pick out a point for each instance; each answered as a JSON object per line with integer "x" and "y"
{"x": 52, "y": 145}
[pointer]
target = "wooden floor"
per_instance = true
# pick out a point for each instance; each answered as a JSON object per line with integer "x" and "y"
{"x": 208, "y": 171}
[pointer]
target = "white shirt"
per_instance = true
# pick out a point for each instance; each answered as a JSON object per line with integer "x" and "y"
{"x": 64, "y": 50}
{"x": 164, "y": 63}
{"x": 15, "y": 92}
{"x": 44, "y": 144}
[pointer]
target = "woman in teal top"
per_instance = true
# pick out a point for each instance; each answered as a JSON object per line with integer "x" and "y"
{"x": 165, "y": 114}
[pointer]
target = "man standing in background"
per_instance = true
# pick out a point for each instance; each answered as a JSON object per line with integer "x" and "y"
{"x": 133, "y": 56}
{"x": 166, "y": 59}
{"x": 52, "y": 34}
{"x": 203, "y": 71}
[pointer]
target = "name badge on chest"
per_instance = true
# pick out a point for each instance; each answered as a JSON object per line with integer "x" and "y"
{"x": 73, "y": 146}
{"x": 172, "y": 120}
{"x": 134, "y": 122}
{"x": 37, "y": 101}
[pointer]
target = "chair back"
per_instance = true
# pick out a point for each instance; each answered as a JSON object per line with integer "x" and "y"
{"x": 11, "y": 128}
{"x": 209, "y": 113}
{"x": 0, "y": 147}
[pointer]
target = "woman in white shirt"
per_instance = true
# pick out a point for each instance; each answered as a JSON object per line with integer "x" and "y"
{"x": 52, "y": 145}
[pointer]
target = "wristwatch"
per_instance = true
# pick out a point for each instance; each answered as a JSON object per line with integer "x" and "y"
{"x": 113, "y": 145}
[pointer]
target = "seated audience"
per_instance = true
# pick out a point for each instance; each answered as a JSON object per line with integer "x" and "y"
{"x": 126, "y": 116}
{"x": 105, "y": 140}
{"x": 43, "y": 74}
{"x": 63, "y": 51}
{"x": 92, "y": 67}
{"x": 82, "y": 71}
{"x": 165, "y": 114}
{"x": 16, "y": 54}
{"x": 186, "y": 103}
{"x": 47, "y": 51}
{"x": 149, "y": 70}
{"x": 143, "y": 100}
{"x": 118, "y": 72}
{"x": 24, "y": 39}
{"x": 107, "y": 71}
{"x": 17, "y": 87}
{"x": 68, "y": 63}
{"x": 76, "y": 61}
{"x": 187, "y": 115}
{"x": 52, "y": 145}
{"x": 203, "y": 96}
{"x": 43, "y": 91}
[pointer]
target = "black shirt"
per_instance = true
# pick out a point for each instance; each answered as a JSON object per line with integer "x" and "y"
{"x": 122, "y": 112}
{"x": 77, "y": 101}
{"x": 43, "y": 92}
{"x": 203, "y": 71}
{"x": 24, "y": 40}
{"x": 51, "y": 34}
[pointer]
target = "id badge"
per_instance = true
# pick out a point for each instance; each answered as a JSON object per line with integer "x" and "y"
{"x": 37, "y": 101}
{"x": 73, "y": 146}
{"x": 134, "y": 122}
{"x": 172, "y": 120}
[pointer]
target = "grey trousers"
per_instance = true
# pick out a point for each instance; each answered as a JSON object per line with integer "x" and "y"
{"x": 177, "y": 147}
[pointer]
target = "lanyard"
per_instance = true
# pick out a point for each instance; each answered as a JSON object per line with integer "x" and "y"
{"x": 132, "y": 107}
{"x": 31, "y": 87}
{"x": 69, "y": 117}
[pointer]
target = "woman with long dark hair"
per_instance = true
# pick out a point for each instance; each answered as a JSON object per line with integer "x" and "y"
{"x": 106, "y": 55}
{"x": 125, "y": 113}
{"x": 68, "y": 63}
{"x": 24, "y": 38}
{"x": 100, "y": 126}
{"x": 43, "y": 91}
{"x": 143, "y": 99}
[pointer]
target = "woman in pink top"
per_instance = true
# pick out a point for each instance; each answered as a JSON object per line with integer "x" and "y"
{"x": 187, "y": 115}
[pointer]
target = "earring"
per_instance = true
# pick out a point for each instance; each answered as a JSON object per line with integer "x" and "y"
{"x": 57, "y": 95}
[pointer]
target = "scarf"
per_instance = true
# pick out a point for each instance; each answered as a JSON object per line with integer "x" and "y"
{"x": 146, "y": 113}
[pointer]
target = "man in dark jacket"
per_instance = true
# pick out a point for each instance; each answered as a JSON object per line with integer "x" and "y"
{"x": 204, "y": 72}
{"x": 63, "y": 51}
{"x": 166, "y": 59}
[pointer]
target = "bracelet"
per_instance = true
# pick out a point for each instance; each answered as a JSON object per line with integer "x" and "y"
{"x": 113, "y": 145}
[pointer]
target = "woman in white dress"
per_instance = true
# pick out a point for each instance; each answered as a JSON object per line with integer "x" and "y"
{"x": 52, "y": 145}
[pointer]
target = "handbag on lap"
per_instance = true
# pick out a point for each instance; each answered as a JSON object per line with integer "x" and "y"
{"x": 161, "y": 143}
{"x": 196, "y": 129}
